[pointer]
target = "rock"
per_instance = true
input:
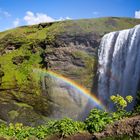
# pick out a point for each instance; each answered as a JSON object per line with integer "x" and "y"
{"x": 19, "y": 59}
{"x": 127, "y": 126}
{"x": 76, "y": 63}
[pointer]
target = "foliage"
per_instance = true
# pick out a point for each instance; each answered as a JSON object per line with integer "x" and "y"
{"x": 67, "y": 127}
{"x": 26, "y": 41}
{"x": 120, "y": 102}
{"x": 97, "y": 120}
{"x": 64, "y": 127}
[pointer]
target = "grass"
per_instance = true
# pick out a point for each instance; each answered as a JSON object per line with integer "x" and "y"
{"x": 19, "y": 72}
{"x": 28, "y": 36}
{"x": 27, "y": 39}
{"x": 83, "y": 26}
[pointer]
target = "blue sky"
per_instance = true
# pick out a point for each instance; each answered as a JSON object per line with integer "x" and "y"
{"x": 24, "y": 12}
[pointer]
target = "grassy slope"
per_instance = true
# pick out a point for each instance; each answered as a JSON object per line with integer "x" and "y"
{"x": 29, "y": 35}
{"x": 29, "y": 38}
{"x": 72, "y": 27}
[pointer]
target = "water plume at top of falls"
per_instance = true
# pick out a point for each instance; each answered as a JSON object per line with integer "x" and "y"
{"x": 119, "y": 64}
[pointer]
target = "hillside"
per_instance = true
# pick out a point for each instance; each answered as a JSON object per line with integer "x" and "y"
{"x": 67, "y": 47}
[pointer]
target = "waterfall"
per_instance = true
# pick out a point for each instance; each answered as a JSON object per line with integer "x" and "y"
{"x": 119, "y": 64}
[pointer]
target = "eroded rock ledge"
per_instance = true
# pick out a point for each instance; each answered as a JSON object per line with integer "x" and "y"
{"x": 127, "y": 126}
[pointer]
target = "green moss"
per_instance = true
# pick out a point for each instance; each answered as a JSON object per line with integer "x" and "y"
{"x": 13, "y": 114}
{"x": 24, "y": 105}
{"x": 18, "y": 73}
{"x": 21, "y": 75}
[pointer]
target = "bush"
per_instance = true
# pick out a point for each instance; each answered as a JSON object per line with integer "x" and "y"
{"x": 97, "y": 120}
{"x": 67, "y": 126}
{"x": 64, "y": 128}
{"x": 120, "y": 104}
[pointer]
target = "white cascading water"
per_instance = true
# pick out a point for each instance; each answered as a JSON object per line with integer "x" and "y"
{"x": 119, "y": 64}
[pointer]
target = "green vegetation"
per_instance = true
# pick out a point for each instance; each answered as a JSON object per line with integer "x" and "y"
{"x": 27, "y": 41}
{"x": 70, "y": 27}
{"x": 98, "y": 119}
{"x": 64, "y": 127}
{"x": 22, "y": 49}
{"x": 95, "y": 122}
{"x": 120, "y": 104}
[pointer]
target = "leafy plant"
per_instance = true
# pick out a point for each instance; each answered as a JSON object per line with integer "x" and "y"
{"x": 97, "y": 120}
{"x": 67, "y": 127}
{"x": 64, "y": 127}
{"x": 120, "y": 104}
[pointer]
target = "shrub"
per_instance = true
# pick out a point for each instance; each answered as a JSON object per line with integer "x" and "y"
{"x": 120, "y": 104}
{"x": 97, "y": 120}
{"x": 67, "y": 126}
{"x": 64, "y": 128}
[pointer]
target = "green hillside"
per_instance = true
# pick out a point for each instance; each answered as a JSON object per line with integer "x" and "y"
{"x": 28, "y": 47}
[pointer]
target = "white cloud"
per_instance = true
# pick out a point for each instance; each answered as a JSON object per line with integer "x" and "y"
{"x": 16, "y": 22}
{"x": 62, "y": 19}
{"x": 68, "y": 18}
{"x": 36, "y": 18}
{"x": 4, "y": 13}
{"x": 137, "y": 14}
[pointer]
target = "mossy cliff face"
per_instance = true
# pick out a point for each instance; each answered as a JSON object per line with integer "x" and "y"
{"x": 69, "y": 48}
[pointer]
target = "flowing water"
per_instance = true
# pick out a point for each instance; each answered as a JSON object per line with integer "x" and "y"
{"x": 119, "y": 64}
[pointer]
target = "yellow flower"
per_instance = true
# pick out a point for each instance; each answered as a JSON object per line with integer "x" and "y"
{"x": 129, "y": 99}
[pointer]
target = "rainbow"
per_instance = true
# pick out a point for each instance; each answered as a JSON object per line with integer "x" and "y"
{"x": 72, "y": 83}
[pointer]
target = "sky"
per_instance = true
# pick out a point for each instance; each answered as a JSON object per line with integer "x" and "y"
{"x": 15, "y": 13}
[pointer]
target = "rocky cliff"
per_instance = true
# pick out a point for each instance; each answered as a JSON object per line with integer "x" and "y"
{"x": 68, "y": 47}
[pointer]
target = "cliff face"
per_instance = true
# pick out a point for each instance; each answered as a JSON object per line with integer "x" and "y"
{"x": 69, "y": 48}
